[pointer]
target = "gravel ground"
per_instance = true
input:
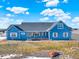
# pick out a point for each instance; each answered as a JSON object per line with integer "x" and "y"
{"x": 36, "y": 55}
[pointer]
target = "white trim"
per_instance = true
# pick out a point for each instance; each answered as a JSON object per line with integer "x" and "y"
{"x": 10, "y": 27}
{"x": 55, "y": 34}
{"x": 49, "y": 35}
{"x": 52, "y": 26}
{"x": 22, "y": 33}
{"x": 65, "y": 34}
{"x": 11, "y": 33}
{"x": 60, "y": 26}
{"x": 36, "y": 31}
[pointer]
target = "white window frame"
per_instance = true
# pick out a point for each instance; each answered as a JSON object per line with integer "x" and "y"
{"x": 55, "y": 34}
{"x": 65, "y": 34}
{"x": 13, "y": 33}
{"x": 29, "y": 34}
{"x": 23, "y": 33}
{"x": 60, "y": 26}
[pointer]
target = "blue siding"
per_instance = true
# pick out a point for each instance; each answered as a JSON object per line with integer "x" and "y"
{"x": 60, "y": 33}
{"x": 21, "y": 35}
{"x": 18, "y": 31}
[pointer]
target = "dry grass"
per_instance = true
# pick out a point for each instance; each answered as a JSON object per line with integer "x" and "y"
{"x": 68, "y": 47}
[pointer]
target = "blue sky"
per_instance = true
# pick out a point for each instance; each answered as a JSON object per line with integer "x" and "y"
{"x": 16, "y": 12}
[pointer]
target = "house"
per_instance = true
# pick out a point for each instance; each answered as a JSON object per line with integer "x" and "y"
{"x": 39, "y": 31}
{"x": 2, "y": 34}
{"x": 75, "y": 34}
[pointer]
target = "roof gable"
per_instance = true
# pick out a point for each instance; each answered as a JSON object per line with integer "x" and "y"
{"x": 11, "y": 26}
{"x": 57, "y": 23}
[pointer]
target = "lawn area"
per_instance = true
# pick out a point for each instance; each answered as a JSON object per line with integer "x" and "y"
{"x": 27, "y": 47}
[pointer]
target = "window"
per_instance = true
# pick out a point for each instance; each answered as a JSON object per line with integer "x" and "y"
{"x": 13, "y": 34}
{"x": 36, "y": 34}
{"x": 29, "y": 34}
{"x": 65, "y": 34}
{"x": 23, "y": 33}
{"x": 60, "y": 26}
{"x": 55, "y": 34}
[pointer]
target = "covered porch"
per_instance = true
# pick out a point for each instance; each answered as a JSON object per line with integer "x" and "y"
{"x": 37, "y": 35}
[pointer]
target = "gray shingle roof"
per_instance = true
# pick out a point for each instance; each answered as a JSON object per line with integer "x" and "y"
{"x": 35, "y": 26}
{"x": 2, "y": 30}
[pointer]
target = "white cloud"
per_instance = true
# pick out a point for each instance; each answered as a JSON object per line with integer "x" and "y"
{"x": 52, "y": 3}
{"x": 5, "y": 22}
{"x": 59, "y": 14}
{"x": 44, "y": 19}
{"x": 75, "y": 20}
{"x": 27, "y": 13}
{"x": 65, "y": 1}
{"x": 46, "y": 12}
{"x": 64, "y": 17}
{"x": 45, "y": 0}
{"x": 18, "y": 10}
{"x": 1, "y": 6}
{"x": 19, "y": 21}
{"x": 9, "y": 15}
